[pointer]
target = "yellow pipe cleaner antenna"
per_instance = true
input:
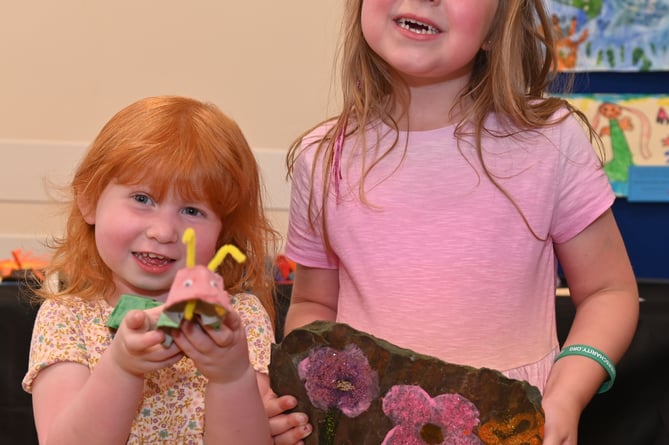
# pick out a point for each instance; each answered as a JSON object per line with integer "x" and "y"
{"x": 189, "y": 239}
{"x": 222, "y": 252}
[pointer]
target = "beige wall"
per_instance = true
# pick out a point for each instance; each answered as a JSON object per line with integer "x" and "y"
{"x": 67, "y": 66}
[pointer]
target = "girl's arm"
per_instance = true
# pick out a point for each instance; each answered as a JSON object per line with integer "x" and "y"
{"x": 73, "y": 405}
{"x": 314, "y": 296}
{"x": 246, "y": 410}
{"x": 234, "y": 411}
{"x": 604, "y": 290}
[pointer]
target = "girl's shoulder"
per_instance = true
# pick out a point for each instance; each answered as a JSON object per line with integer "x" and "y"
{"x": 559, "y": 118}
{"x": 568, "y": 123}
{"x": 258, "y": 327}
{"x": 565, "y": 115}
{"x": 316, "y": 134}
{"x": 248, "y": 304}
{"x": 74, "y": 309}
{"x": 75, "y": 303}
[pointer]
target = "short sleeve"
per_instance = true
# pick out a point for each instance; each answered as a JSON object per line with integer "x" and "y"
{"x": 56, "y": 338}
{"x": 584, "y": 191}
{"x": 304, "y": 241}
{"x": 259, "y": 332}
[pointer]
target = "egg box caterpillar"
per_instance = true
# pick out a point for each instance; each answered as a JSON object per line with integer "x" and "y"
{"x": 197, "y": 290}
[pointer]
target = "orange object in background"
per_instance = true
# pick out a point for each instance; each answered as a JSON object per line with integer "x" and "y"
{"x": 23, "y": 261}
{"x": 284, "y": 270}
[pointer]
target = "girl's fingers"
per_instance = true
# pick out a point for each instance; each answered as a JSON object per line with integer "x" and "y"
{"x": 289, "y": 429}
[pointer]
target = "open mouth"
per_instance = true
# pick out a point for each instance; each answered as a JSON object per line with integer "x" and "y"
{"x": 152, "y": 259}
{"x": 416, "y": 26}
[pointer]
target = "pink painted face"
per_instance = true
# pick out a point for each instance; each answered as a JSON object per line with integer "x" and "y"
{"x": 610, "y": 111}
{"x": 198, "y": 283}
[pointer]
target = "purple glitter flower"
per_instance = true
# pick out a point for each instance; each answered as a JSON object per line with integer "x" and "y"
{"x": 420, "y": 419}
{"x": 339, "y": 379}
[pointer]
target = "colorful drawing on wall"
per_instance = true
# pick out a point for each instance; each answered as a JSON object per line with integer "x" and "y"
{"x": 634, "y": 130}
{"x": 611, "y": 35}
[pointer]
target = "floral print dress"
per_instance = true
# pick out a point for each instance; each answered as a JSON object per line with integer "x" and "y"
{"x": 172, "y": 412}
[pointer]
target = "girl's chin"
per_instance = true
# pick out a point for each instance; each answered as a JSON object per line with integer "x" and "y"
{"x": 157, "y": 291}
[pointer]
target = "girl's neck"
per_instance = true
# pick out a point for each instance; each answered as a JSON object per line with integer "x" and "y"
{"x": 432, "y": 106}
{"x": 122, "y": 289}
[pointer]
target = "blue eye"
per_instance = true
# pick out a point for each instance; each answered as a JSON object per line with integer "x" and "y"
{"x": 142, "y": 198}
{"x": 192, "y": 211}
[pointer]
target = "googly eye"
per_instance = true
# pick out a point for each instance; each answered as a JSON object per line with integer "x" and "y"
{"x": 188, "y": 283}
{"x": 213, "y": 283}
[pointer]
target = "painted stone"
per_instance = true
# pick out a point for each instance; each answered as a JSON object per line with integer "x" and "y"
{"x": 361, "y": 390}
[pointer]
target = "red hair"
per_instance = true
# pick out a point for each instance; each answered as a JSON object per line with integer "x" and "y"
{"x": 171, "y": 143}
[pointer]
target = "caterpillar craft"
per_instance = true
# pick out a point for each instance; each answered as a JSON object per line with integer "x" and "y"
{"x": 197, "y": 291}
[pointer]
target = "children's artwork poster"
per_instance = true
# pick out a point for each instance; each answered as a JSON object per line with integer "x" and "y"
{"x": 634, "y": 130}
{"x": 611, "y": 35}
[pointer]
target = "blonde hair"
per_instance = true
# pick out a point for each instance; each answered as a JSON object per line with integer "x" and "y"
{"x": 171, "y": 143}
{"x": 509, "y": 78}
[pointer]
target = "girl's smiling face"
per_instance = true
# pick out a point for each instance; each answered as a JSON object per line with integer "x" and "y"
{"x": 139, "y": 238}
{"x": 428, "y": 41}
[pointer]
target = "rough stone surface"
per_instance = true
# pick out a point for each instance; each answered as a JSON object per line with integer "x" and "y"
{"x": 509, "y": 411}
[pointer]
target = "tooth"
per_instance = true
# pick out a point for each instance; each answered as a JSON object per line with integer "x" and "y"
{"x": 413, "y": 25}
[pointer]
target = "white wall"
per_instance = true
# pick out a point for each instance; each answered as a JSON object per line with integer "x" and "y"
{"x": 68, "y": 66}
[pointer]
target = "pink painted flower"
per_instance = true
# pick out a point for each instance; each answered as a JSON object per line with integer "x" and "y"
{"x": 420, "y": 419}
{"x": 341, "y": 379}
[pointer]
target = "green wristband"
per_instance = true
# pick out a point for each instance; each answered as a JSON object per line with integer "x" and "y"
{"x": 596, "y": 355}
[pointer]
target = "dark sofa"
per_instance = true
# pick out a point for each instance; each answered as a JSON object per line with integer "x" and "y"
{"x": 636, "y": 409}
{"x": 16, "y": 321}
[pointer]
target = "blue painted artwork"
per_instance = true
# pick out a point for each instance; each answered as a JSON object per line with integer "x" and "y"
{"x": 611, "y": 35}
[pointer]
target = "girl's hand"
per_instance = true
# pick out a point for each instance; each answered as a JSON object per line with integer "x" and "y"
{"x": 137, "y": 347}
{"x": 221, "y": 355}
{"x": 287, "y": 428}
{"x": 561, "y": 426}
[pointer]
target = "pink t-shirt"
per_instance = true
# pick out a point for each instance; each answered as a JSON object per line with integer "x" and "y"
{"x": 440, "y": 261}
